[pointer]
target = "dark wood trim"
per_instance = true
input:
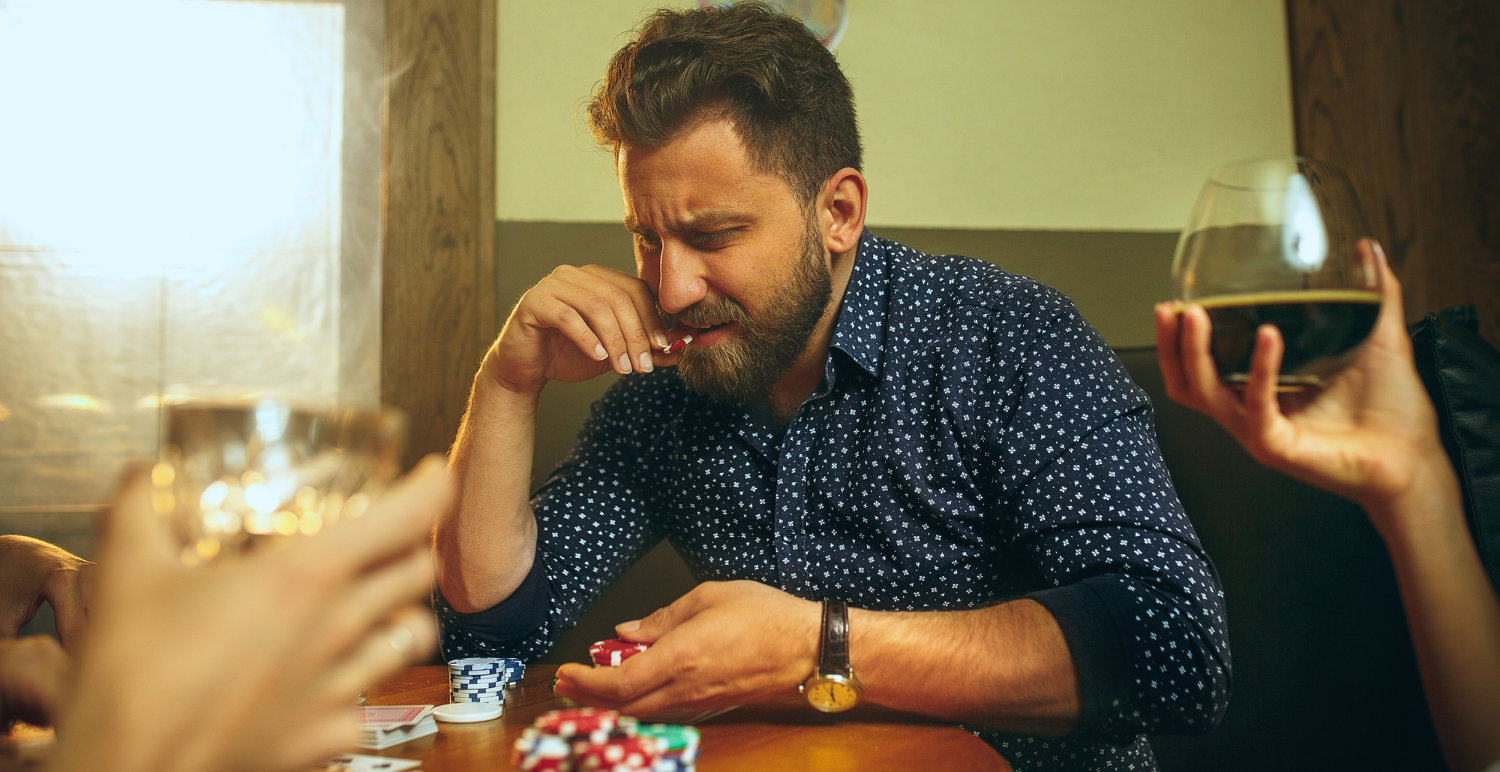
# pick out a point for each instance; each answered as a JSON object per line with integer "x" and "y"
{"x": 439, "y": 261}
{"x": 1405, "y": 95}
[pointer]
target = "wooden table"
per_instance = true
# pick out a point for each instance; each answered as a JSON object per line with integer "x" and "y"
{"x": 787, "y": 734}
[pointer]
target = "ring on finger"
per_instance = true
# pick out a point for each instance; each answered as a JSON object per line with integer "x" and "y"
{"x": 402, "y": 639}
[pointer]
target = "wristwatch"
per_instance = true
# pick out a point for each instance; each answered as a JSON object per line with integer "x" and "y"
{"x": 833, "y": 687}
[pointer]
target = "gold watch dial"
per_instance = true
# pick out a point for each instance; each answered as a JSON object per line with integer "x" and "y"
{"x": 832, "y": 696}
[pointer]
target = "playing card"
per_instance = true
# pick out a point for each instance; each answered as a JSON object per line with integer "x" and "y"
{"x": 386, "y": 716}
{"x": 353, "y": 762}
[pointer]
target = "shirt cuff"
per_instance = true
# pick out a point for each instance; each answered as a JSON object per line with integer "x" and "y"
{"x": 1093, "y": 639}
{"x": 510, "y": 622}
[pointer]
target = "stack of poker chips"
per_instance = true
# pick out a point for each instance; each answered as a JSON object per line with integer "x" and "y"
{"x": 590, "y": 740}
{"x": 678, "y": 746}
{"x": 611, "y": 652}
{"x": 483, "y": 679}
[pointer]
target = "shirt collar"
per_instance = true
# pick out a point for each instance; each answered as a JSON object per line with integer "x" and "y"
{"x": 860, "y": 331}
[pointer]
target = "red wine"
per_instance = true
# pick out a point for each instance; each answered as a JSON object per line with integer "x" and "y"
{"x": 1321, "y": 328}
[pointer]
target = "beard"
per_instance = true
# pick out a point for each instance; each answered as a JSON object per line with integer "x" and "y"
{"x": 742, "y": 368}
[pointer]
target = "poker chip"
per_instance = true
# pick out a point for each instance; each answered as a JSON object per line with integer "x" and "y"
{"x": 612, "y": 651}
{"x": 672, "y": 738}
{"x": 620, "y": 754}
{"x": 483, "y": 679}
{"x": 592, "y": 740}
{"x": 576, "y": 721}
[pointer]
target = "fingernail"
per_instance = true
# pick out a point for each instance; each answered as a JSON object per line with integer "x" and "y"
{"x": 661, "y": 340}
{"x": 628, "y": 627}
{"x": 599, "y": 352}
{"x": 646, "y": 361}
{"x": 624, "y": 367}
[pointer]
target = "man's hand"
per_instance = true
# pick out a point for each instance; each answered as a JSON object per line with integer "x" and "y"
{"x": 574, "y": 325}
{"x": 32, "y": 673}
{"x": 1357, "y": 437}
{"x": 253, "y": 661}
{"x": 723, "y": 644}
{"x": 33, "y": 571}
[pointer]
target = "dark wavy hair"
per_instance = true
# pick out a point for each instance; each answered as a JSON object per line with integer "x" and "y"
{"x": 763, "y": 70}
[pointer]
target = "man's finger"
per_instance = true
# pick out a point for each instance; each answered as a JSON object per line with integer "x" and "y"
{"x": 404, "y": 515}
{"x": 656, "y": 625}
{"x": 373, "y": 597}
{"x": 409, "y": 637}
{"x": 640, "y": 295}
{"x": 637, "y": 676}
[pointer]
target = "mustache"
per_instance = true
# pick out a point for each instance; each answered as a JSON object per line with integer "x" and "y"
{"x": 706, "y": 313}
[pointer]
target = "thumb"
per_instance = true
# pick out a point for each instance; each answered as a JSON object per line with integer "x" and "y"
{"x": 660, "y": 621}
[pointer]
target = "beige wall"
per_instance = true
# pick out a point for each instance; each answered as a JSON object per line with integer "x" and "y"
{"x": 1017, "y": 115}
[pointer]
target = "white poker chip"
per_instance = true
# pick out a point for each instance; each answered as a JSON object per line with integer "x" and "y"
{"x": 468, "y": 712}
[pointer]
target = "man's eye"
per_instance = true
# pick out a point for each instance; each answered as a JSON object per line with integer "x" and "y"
{"x": 717, "y": 237}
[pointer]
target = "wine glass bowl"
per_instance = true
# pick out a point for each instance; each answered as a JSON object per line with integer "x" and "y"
{"x": 240, "y": 474}
{"x": 1276, "y": 241}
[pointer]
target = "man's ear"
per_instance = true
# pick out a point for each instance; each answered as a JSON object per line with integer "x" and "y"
{"x": 841, "y": 210}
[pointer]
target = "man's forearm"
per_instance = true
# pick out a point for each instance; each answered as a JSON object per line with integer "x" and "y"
{"x": 1006, "y": 666}
{"x": 485, "y": 543}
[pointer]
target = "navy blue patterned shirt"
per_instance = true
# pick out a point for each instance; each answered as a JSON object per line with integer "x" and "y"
{"x": 973, "y": 441}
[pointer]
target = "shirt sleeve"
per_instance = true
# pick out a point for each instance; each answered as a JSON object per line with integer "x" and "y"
{"x": 1089, "y": 503}
{"x": 593, "y": 521}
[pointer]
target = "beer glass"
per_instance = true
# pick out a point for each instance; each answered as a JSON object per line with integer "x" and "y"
{"x": 240, "y": 474}
{"x": 1273, "y": 241}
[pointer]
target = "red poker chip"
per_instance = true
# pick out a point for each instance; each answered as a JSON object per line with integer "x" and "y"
{"x": 612, "y": 651}
{"x": 576, "y": 721}
{"x": 629, "y": 752}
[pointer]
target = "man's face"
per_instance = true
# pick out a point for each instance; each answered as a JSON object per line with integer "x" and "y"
{"x": 727, "y": 250}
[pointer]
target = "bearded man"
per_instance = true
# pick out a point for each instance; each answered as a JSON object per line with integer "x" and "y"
{"x": 912, "y": 480}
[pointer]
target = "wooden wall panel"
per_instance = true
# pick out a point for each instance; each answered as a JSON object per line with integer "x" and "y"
{"x": 1405, "y": 95}
{"x": 439, "y": 258}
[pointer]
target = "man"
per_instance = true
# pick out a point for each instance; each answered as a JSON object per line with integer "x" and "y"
{"x": 946, "y": 447}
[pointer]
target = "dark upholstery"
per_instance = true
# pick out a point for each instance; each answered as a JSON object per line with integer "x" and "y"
{"x": 1324, "y": 677}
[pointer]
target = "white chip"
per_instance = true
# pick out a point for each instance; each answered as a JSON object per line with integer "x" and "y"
{"x": 467, "y": 712}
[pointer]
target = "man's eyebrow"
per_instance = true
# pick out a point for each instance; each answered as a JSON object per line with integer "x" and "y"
{"x": 706, "y": 220}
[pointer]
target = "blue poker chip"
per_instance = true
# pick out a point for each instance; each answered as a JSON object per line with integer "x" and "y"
{"x": 496, "y": 692}
{"x": 495, "y": 700}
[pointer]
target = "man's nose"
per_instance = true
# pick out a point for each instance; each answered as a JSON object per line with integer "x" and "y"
{"x": 682, "y": 281}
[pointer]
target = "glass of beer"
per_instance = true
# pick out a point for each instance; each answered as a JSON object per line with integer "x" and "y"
{"x": 241, "y": 474}
{"x": 1274, "y": 241}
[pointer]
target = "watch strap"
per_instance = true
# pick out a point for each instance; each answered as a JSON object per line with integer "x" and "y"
{"x": 833, "y": 653}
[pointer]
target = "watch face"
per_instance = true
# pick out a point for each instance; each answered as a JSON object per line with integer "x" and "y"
{"x": 831, "y": 696}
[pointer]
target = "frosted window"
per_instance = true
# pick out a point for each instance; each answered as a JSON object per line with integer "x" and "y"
{"x": 188, "y": 203}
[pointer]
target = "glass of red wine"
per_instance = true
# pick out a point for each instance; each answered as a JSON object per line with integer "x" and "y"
{"x": 1275, "y": 241}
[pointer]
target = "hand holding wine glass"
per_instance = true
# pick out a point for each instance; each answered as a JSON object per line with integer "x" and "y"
{"x": 1357, "y": 436}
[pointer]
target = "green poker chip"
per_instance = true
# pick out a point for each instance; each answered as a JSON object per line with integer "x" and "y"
{"x": 672, "y": 737}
